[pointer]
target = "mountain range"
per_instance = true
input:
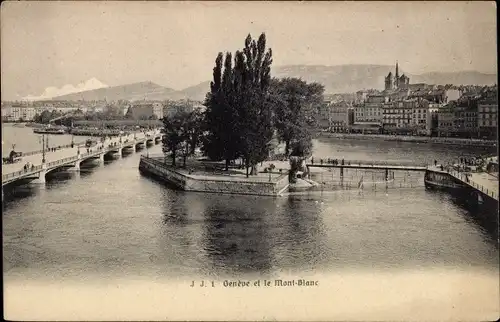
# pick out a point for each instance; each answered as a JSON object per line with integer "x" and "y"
{"x": 336, "y": 79}
{"x": 51, "y": 92}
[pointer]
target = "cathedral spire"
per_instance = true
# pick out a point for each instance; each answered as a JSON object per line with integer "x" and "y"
{"x": 397, "y": 69}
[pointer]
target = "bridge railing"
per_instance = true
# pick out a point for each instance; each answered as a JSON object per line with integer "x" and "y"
{"x": 21, "y": 173}
{"x": 140, "y": 137}
{"x": 61, "y": 161}
{"x": 370, "y": 162}
{"x": 60, "y": 147}
{"x": 461, "y": 176}
{"x": 35, "y": 169}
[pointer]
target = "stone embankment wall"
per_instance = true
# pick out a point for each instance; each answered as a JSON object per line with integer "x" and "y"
{"x": 225, "y": 184}
{"x": 416, "y": 139}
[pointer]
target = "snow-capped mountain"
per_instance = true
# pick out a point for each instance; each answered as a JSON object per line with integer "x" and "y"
{"x": 51, "y": 92}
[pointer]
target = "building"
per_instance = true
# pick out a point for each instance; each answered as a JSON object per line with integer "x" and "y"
{"x": 487, "y": 118}
{"x": 361, "y": 96}
{"x": 365, "y": 128}
{"x": 432, "y": 123}
{"x": 324, "y": 115}
{"x": 146, "y": 110}
{"x": 394, "y": 82}
{"x": 445, "y": 120}
{"x": 372, "y": 109}
{"x": 339, "y": 117}
{"x": 465, "y": 121}
{"x": 18, "y": 112}
{"x": 420, "y": 116}
{"x": 6, "y": 113}
{"x": 397, "y": 117}
{"x": 458, "y": 120}
{"x": 183, "y": 106}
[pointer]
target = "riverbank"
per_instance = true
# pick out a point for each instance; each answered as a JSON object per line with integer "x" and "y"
{"x": 414, "y": 139}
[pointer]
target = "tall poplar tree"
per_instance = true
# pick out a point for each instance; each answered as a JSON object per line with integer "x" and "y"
{"x": 238, "y": 116}
{"x": 253, "y": 67}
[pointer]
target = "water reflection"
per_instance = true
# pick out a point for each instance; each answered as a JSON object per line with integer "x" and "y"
{"x": 235, "y": 239}
{"x": 297, "y": 234}
{"x": 483, "y": 217}
{"x": 13, "y": 193}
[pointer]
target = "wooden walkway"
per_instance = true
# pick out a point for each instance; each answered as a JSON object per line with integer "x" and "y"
{"x": 381, "y": 166}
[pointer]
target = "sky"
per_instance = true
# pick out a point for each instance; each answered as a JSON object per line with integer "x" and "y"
{"x": 174, "y": 44}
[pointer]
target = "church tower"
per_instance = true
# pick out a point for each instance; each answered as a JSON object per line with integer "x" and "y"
{"x": 396, "y": 78}
{"x": 389, "y": 82}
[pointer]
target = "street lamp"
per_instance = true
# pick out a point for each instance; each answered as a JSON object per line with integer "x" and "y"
{"x": 43, "y": 147}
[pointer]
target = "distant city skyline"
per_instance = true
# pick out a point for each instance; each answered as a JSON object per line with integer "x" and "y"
{"x": 174, "y": 44}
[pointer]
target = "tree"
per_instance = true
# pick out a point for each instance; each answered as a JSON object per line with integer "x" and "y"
{"x": 191, "y": 131}
{"x": 222, "y": 138}
{"x": 112, "y": 113}
{"x": 238, "y": 117}
{"x": 253, "y": 78}
{"x": 194, "y": 131}
{"x": 175, "y": 134}
{"x": 295, "y": 107}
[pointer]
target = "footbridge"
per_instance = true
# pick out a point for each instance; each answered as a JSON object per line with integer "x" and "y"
{"x": 36, "y": 166}
{"x": 376, "y": 165}
{"x": 366, "y": 165}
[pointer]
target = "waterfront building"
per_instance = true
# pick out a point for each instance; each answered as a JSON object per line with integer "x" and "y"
{"x": 18, "y": 112}
{"x": 445, "y": 120}
{"x": 324, "y": 117}
{"x": 432, "y": 118}
{"x": 458, "y": 119}
{"x": 488, "y": 117}
{"x": 420, "y": 116}
{"x": 6, "y": 112}
{"x": 365, "y": 128}
{"x": 339, "y": 117}
{"x": 397, "y": 117}
{"x": 372, "y": 111}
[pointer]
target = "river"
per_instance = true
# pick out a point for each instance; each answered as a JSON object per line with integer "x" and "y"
{"x": 108, "y": 223}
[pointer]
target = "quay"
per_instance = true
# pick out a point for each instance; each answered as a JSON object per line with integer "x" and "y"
{"x": 199, "y": 180}
{"x": 72, "y": 157}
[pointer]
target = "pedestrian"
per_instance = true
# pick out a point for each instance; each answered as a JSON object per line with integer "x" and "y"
{"x": 312, "y": 160}
{"x": 435, "y": 163}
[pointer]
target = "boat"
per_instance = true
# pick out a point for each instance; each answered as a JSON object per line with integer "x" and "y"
{"x": 442, "y": 181}
{"x": 49, "y": 131}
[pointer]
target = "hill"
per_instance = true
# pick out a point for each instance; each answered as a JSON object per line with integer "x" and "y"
{"x": 131, "y": 92}
{"x": 336, "y": 79}
{"x": 196, "y": 92}
{"x": 351, "y": 78}
{"x": 457, "y": 78}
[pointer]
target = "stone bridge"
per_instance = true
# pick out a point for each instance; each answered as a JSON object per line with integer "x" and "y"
{"x": 72, "y": 157}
